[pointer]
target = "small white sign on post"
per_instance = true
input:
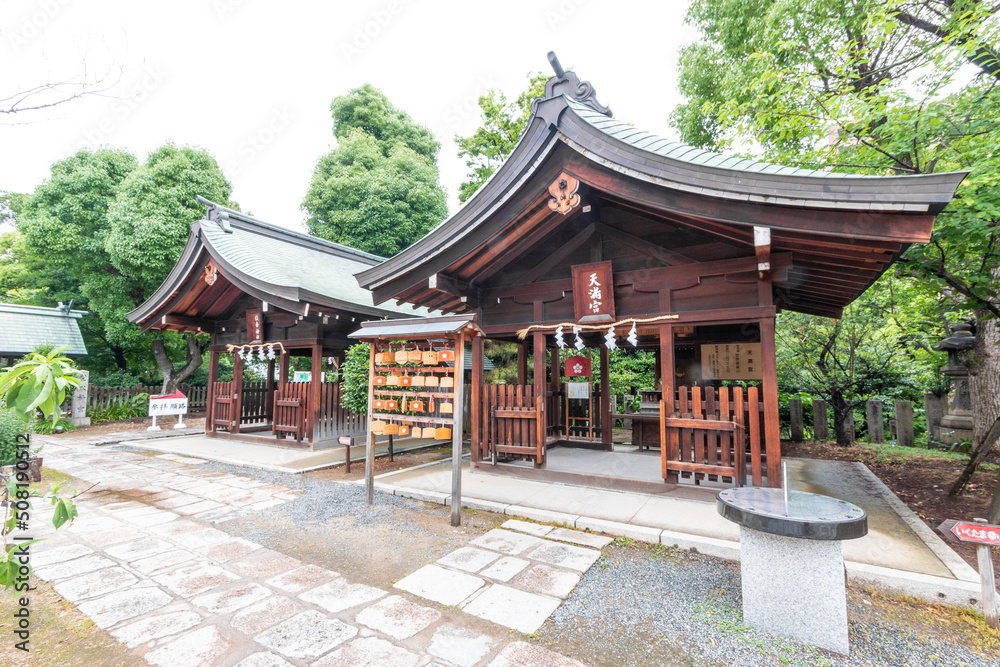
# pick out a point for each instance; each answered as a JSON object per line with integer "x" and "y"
{"x": 170, "y": 404}
{"x": 578, "y": 390}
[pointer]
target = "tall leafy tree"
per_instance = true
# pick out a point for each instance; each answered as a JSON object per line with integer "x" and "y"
{"x": 870, "y": 86}
{"x": 379, "y": 189}
{"x": 503, "y": 122}
{"x": 148, "y": 225}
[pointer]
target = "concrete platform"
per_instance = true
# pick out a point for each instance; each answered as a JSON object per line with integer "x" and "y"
{"x": 272, "y": 457}
{"x": 900, "y": 553}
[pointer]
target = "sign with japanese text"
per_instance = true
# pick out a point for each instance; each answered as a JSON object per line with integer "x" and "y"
{"x": 255, "y": 326}
{"x": 977, "y": 533}
{"x": 731, "y": 361}
{"x": 577, "y": 367}
{"x": 578, "y": 390}
{"x": 172, "y": 404}
{"x": 593, "y": 293}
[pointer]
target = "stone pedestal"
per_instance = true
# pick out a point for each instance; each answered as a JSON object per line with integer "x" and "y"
{"x": 957, "y": 424}
{"x": 795, "y": 587}
{"x": 78, "y": 404}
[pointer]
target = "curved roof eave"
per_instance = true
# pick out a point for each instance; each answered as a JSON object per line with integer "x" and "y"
{"x": 174, "y": 280}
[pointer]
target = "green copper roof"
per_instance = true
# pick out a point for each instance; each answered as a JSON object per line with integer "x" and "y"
{"x": 23, "y": 328}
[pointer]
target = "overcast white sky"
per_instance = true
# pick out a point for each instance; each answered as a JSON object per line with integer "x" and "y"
{"x": 251, "y": 81}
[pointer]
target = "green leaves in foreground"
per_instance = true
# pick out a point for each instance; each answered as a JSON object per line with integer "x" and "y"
{"x": 38, "y": 382}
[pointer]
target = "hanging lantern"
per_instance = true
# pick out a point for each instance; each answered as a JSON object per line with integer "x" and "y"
{"x": 579, "y": 341}
{"x": 560, "y": 343}
{"x": 609, "y": 339}
{"x": 633, "y": 337}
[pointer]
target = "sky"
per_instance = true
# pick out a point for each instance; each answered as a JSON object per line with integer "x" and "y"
{"x": 251, "y": 81}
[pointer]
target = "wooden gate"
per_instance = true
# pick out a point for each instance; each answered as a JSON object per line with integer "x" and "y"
{"x": 691, "y": 445}
{"x": 291, "y": 410}
{"x": 222, "y": 406}
{"x": 514, "y": 423}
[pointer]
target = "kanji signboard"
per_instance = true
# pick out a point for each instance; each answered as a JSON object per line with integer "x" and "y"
{"x": 593, "y": 293}
{"x": 966, "y": 531}
{"x": 255, "y": 326}
{"x": 731, "y": 361}
{"x": 168, "y": 404}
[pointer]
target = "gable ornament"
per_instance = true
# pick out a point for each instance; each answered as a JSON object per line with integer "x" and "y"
{"x": 564, "y": 197}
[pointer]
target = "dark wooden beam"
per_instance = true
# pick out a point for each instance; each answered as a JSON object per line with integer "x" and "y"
{"x": 558, "y": 255}
{"x": 668, "y": 257}
{"x": 467, "y": 292}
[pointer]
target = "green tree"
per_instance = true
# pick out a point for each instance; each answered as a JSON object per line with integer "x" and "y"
{"x": 354, "y": 372}
{"x": 148, "y": 225}
{"x": 897, "y": 87}
{"x": 503, "y": 123}
{"x": 379, "y": 189}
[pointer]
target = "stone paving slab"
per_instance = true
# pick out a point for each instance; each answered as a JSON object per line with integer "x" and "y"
{"x": 512, "y": 608}
{"x": 180, "y": 593}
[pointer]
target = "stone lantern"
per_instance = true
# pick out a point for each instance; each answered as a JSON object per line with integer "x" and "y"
{"x": 957, "y": 424}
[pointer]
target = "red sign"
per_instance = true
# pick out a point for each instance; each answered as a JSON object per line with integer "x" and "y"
{"x": 577, "y": 367}
{"x": 977, "y": 533}
{"x": 255, "y": 326}
{"x": 593, "y": 293}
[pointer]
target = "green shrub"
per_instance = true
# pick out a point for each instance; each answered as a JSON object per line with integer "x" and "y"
{"x": 11, "y": 427}
{"x": 137, "y": 406}
{"x": 46, "y": 427}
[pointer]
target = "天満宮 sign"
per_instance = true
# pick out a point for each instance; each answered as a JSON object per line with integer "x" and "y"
{"x": 593, "y": 293}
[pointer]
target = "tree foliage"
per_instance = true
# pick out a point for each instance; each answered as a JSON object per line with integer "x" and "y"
{"x": 503, "y": 123}
{"x": 379, "y": 189}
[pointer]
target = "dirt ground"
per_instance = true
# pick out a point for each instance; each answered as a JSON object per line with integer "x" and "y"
{"x": 128, "y": 426}
{"x": 921, "y": 480}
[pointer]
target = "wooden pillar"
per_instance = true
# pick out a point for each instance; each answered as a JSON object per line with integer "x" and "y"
{"x": 477, "y": 398}
{"x": 315, "y": 394}
{"x": 667, "y": 377}
{"x": 538, "y": 373}
{"x": 283, "y": 370}
{"x": 769, "y": 388}
{"x": 658, "y": 364}
{"x": 269, "y": 396}
{"x": 213, "y": 376}
{"x": 456, "y": 434}
{"x": 370, "y": 437}
{"x": 237, "y": 409}
{"x": 606, "y": 422}
{"x": 522, "y": 363}
{"x": 555, "y": 379}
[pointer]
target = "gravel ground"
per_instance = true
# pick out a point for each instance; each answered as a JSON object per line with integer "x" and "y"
{"x": 658, "y": 606}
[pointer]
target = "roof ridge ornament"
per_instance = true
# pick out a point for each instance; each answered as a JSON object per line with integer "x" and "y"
{"x": 216, "y": 213}
{"x": 569, "y": 84}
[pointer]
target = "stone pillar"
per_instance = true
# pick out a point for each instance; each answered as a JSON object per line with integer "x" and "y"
{"x": 78, "y": 404}
{"x": 876, "y": 422}
{"x": 904, "y": 424}
{"x": 934, "y": 412}
{"x": 821, "y": 424}
{"x": 797, "y": 419}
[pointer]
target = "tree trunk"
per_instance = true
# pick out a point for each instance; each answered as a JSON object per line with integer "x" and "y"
{"x": 843, "y": 419}
{"x": 173, "y": 377}
{"x": 120, "y": 359}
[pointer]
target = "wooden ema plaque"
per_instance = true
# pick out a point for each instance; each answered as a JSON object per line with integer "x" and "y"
{"x": 731, "y": 361}
{"x": 255, "y": 326}
{"x": 593, "y": 293}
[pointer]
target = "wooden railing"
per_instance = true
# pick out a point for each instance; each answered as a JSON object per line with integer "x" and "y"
{"x": 334, "y": 419}
{"x": 700, "y": 439}
{"x": 291, "y": 410}
{"x": 254, "y": 403}
{"x": 513, "y": 423}
{"x": 222, "y": 406}
{"x": 103, "y": 397}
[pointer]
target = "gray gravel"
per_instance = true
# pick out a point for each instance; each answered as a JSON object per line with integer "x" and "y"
{"x": 654, "y": 607}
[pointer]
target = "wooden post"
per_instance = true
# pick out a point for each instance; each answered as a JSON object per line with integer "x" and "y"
{"x": 213, "y": 376}
{"x": 269, "y": 407}
{"x": 797, "y": 419}
{"x": 522, "y": 363}
{"x": 606, "y": 422}
{"x": 283, "y": 363}
{"x": 904, "y": 424}
{"x": 315, "y": 394}
{"x": 666, "y": 390}
{"x": 369, "y": 436}
{"x": 876, "y": 423}
{"x": 769, "y": 388}
{"x": 555, "y": 378}
{"x": 987, "y": 581}
{"x": 538, "y": 376}
{"x": 477, "y": 397}
{"x": 237, "y": 408}
{"x": 821, "y": 423}
{"x": 456, "y": 435}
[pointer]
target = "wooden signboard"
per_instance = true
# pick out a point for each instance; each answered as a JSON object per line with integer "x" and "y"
{"x": 578, "y": 367}
{"x": 255, "y": 326}
{"x": 731, "y": 361}
{"x": 593, "y": 293}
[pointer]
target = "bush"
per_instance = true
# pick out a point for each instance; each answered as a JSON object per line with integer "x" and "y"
{"x": 137, "y": 406}
{"x": 10, "y": 428}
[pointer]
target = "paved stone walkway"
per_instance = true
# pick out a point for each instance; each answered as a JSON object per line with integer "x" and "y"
{"x": 523, "y": 575}
{"x": 154, "y": 573}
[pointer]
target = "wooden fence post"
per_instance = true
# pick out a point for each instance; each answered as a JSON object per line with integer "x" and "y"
{"x": 876, "y": 424}
{"x": 797, "y": 419}
{"x": 904, "y": 424}
{"x": 821, "y": 424}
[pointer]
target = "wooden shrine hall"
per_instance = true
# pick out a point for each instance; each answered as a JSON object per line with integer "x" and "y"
{"x": 267, "y": 295}
{"x": 594, "y": 234}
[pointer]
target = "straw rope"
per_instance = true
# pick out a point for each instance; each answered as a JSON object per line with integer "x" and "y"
{"x": 523, "y": 333}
